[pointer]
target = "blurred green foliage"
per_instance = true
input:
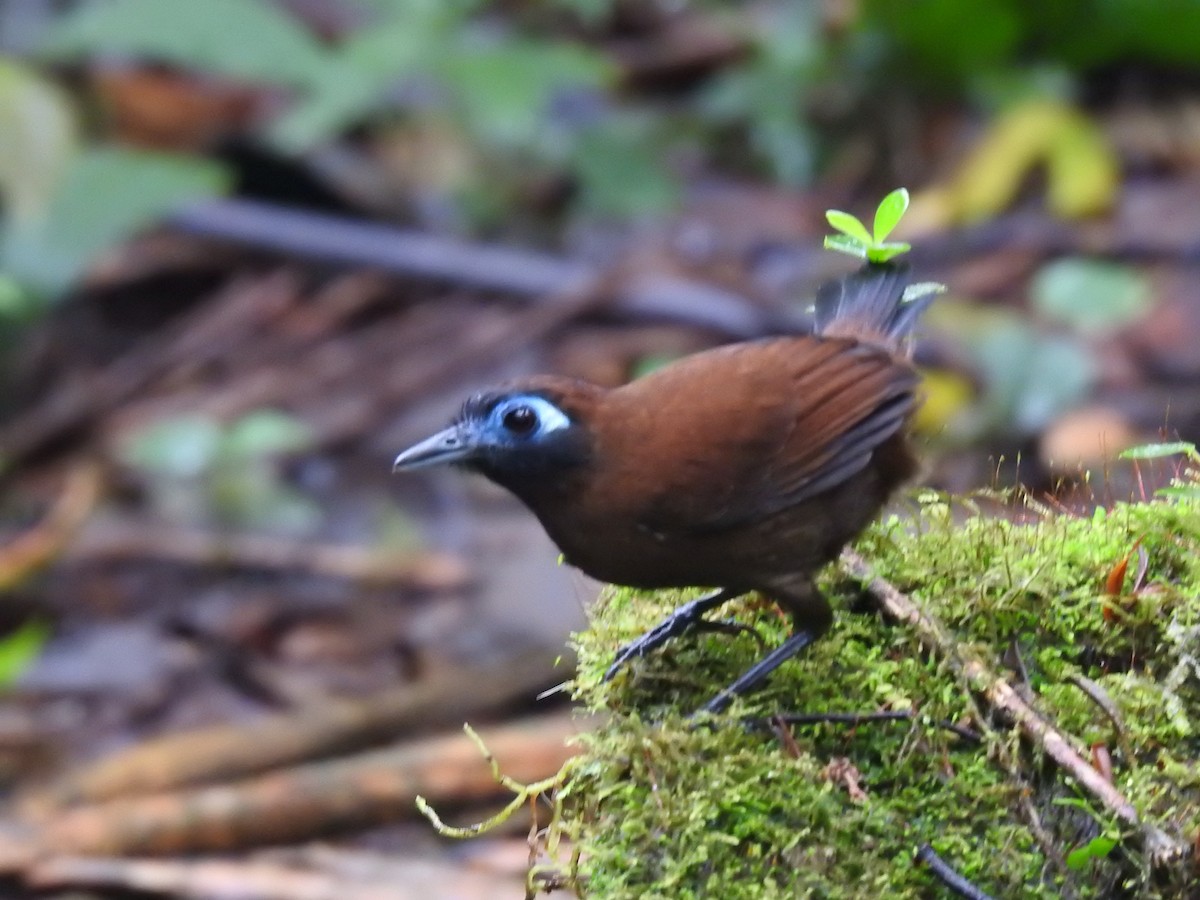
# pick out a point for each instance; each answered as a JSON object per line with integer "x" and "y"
{"x": 106, "y": 194}
{"x": 19, "y": 648}
{"x": 65, "y": 201}
{"x": 534, "y": 90}
{"x": 229, "y": 471}
{"x": 950, "y": 43}
{"x": 241, "y": 38}
{"x": 517, "y": 95}
{"x": 1089, "y": 295}
{"x": 1028, "y": 377}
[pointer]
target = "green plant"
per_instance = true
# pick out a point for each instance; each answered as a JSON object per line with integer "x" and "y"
{"x": 223, "y": 474}
{"x": 1091, "y": 296}
{"x": 995, "y": 35}
{"x": 872, "y": 246}
{"x": 63, "y": 201}
{"x": 764, "y": 96}
{"x": 1184, "y": 487}
{"x": 762, "y": 813}
{"x": 20, "y": 648}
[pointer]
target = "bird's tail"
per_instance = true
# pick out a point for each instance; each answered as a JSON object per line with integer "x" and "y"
{"x": 869, "y": 305}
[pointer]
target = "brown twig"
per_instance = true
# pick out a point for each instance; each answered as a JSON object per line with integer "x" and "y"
{"x": 303, "y": 802}
{"x": 513, "y": 271}
{"x": 1160, "y": 847}
{"x": 224, "y": 752}
{"x": 1099, "y": 696}
{"x": 210, "y": 879}
{"x": 197, "y": 337}
{"x": 425, "y": 570}
{"x": 36, "y": 548}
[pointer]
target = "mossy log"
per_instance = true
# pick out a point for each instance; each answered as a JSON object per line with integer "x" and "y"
{"x": 1093, "y": 623}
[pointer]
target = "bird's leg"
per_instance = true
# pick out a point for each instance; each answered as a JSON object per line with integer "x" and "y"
{"x": 753, "y": 677}
{"x": 689, "y": 617}
{"x": 812, "y": 617}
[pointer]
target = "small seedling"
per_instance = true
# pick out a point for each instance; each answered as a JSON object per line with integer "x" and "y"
{"x": 20, "y": 648}
{"x": 1159, "y": 451}
{"x": 857, "y": 241}
{"x": 1184, "y": 488}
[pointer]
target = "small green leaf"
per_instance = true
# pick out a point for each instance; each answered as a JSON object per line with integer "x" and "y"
{"x": 19, "y": 649}
{"x": 1180, "y": 491}
{"x": 1092, "y": 296}
{"x": 244, "y": 39}
{"x": 845, "y": 244}
{"x": 849, "y": 225}
{"x": 262, "y": 433}
{"x": 37, "y": 140}
{"x": 651, "y": 362}
{"x": 880, "y": 253}
{"x": 1097, "y": 848}
{"x": 504, "y": 93}
{"x": 181, "y": 447}
{"x": 1158, "y": 451}
{"x": 620, "y": 172}
{"x": 107, "y": 194}
{"x": 889, "y": 212}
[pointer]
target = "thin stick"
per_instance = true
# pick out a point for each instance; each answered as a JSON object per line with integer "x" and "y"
{"x": 190, "y": 546}
{"x": 224, "y": 752}
{"x": 1099, "y": 696}
{"x": 303, "y": 802}
{"x": 1160, "y": 847}
{"x": 489, "y": 267}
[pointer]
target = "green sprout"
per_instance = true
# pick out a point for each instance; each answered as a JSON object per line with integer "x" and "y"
{"x": 1186, "y": 486}
{"x": 857, "y": 241}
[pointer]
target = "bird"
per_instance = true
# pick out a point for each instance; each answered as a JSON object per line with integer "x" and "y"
{"x": 745, "y": 468}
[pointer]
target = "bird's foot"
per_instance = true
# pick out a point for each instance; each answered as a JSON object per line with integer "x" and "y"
{"x": 689, "y": 617}
{"x": 753, "y": 678}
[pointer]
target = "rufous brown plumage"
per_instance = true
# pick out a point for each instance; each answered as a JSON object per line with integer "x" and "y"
{"x": 747, "y": 467}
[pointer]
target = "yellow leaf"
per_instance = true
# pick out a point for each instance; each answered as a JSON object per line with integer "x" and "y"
{"x": 945, "y": 394}
{"x": 1081, "y": 168}
{"x": 1082, "y": 173}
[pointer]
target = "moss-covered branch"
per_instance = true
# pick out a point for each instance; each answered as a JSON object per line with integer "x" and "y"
{"x": 664, "y": 808}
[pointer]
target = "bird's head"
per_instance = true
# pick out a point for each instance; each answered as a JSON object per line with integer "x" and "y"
{"x": 513, "y": 435}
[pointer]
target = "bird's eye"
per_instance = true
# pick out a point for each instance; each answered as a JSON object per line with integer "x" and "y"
{"x": 520, "y": 420}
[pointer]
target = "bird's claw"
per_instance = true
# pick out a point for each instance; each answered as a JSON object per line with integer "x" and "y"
{"x": 730, "y": 626}
{"x": 689, "y": 617}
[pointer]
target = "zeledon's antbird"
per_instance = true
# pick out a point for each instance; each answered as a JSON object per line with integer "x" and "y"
{"x": 746, "y": 467}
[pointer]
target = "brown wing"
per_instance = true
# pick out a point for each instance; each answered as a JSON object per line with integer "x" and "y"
{"x": 751, "y": 429}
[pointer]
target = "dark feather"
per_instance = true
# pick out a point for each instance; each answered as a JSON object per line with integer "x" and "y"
{"x": 869, "y": 305}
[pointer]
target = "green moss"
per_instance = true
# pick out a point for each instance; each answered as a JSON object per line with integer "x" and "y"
{"x": 663, "y": 808}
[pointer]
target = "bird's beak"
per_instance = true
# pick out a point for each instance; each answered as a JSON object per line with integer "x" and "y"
{"x": 448, "y": 446}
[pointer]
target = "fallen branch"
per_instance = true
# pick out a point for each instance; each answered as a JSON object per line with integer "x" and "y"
{"x": 197, "y": 337}
{"x": 36, "y": 548}
{"x": 301, "y": 803}
{"x": 209, "y": 879}
{"x": 307, "y": 873}
{"x": 489, "y": 267}
{"x": 1160, "y": 847}
{"x": 225, "y": 752}
{"x": 424, "y": 570}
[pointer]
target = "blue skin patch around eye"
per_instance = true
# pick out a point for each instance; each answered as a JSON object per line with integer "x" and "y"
{"x": 550, "y": 417}
{"x": 473, "y": 438}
